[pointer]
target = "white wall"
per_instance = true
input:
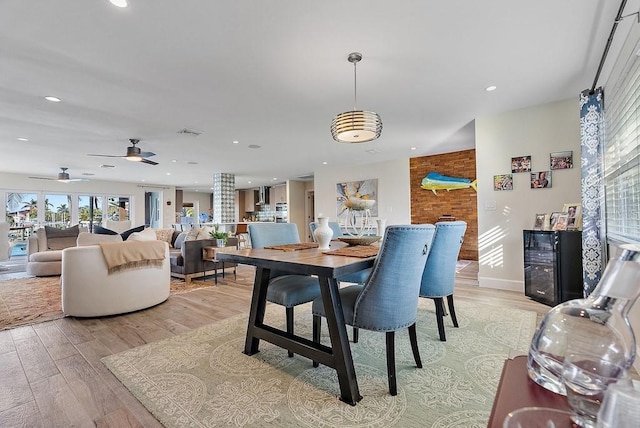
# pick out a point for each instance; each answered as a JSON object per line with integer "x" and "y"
{"x": 394, "y": 194}
{"x": 19, "y": 182}
{"x": 535, "y": 131}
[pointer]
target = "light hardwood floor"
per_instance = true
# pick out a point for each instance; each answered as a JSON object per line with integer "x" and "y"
{"x": 51, "y": 374}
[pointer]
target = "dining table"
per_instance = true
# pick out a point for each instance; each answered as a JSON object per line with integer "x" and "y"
{"x": 304, "y": 261}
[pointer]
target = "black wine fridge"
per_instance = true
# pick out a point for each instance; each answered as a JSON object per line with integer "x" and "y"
{"x": 552, "y": 265}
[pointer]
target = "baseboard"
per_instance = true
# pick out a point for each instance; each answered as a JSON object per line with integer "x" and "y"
{"x": 501, "y": 284}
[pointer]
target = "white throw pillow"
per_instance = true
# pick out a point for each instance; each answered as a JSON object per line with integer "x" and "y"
{"x": 205, "y": 232}
{"x": 146, "y": 235}
{"x": 86, "y": 238}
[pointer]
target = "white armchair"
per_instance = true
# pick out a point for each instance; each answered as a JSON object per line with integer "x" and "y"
{"x": 5, "y": 244}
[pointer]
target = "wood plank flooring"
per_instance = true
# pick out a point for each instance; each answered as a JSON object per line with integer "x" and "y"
{"x": 51, "y": 374}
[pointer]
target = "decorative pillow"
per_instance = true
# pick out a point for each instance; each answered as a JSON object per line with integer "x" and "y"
{"x": 104, "y": 231}
{"x": 143, "y": 235}
{"x": 180, "y": 239}
{"x": 85, "y": 238}
{"x": 164, "y": 235}
{"x": 204, "y": 232}
{"x": 126, "y": 233}
{"x": 192, "y": 235}
{"x": 59, "y": 239}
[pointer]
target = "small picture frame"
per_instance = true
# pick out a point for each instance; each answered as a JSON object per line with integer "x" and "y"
{"x": 539, "y": 223}
{"x": 574, "y": 213}
{"x": 541, "y": 180}
{"x": 561, "y": 160}
{"x": 561, "y": 222}
{"x": 553, "y": 219}
{"x": 521, "y": 164}
{"x": 503, "y": 182}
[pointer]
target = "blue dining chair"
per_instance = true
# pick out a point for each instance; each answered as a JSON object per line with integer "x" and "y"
{"x": 388, "y": 300}
{"x": 284, "y": 289}
{"x": 439, "y": 276}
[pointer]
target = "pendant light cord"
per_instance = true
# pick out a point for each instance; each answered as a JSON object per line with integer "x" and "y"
{"x": 355, "y": 86}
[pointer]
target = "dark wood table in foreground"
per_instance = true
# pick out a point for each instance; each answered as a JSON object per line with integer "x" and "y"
{"x": 304, "y": 262}
{"x": 516, "y": 390}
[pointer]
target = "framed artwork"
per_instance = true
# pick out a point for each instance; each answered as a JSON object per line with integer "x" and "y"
{"x": 503, "y": 182}
{"x": 538, "y": 224}
{"x": 553, "y": 218}
{"x": 561, "y": 222}
{"x": 541, "y": 180}
{"x": 561, "y": 160}
{"x": 521, "y": 164}
{"x": 353, "y": 194}
{"x": 574, "y": 213}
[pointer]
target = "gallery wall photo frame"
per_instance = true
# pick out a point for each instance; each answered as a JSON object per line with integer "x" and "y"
{"x": 574, "y": 215}
{"x": 503, "y": 182}
{"x": 561, "y": 160}
{"x": 541, "y": 180}
{"x": 521, "y": 164}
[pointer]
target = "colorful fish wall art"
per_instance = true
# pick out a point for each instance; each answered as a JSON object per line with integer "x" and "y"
{"x": 434, "y": 181}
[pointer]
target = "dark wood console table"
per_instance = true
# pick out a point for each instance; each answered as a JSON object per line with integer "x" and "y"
{"x": 516, "y": 390}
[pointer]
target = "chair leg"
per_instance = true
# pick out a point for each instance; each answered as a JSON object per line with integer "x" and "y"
{"x": 413, "y": 338}
{"x": 452, "y": 310}
{"x": 391, "y": 363}
{"x": 317, "y": 323}
{"x": 439, "y": 302}
{"x": 355, "y": 334}
{"x": 289, "y": 315}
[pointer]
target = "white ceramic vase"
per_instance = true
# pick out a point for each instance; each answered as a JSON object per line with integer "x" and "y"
{"x": 382, "y": 225}
{"x": 323, "y": 233}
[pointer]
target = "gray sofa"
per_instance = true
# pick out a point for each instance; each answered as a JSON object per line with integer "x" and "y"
{"x": 187, "y": 261}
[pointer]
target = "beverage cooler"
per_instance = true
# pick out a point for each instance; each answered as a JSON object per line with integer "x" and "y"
{"x": 552, "y": 265}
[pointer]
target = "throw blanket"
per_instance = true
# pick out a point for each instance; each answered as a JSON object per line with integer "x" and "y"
{"x": 126, "y": 255}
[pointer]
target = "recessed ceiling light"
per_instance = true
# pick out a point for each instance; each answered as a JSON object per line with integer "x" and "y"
{"x": 119, "y": 3}
{"x": 324, "y": 163}
{"x": 22, "y": 139}
{"x": 275, "y": 178}
{"x": 235, "y": 141}
{"x": 168, "y": 173}
{"x": 413, "y": 148}
{"x": 173, "y": 160}
{"x": 52, "y": 99}
{"x": 490, "y": 88}
{"x": 144, "y": 179}
{"x": 249, "y": 182}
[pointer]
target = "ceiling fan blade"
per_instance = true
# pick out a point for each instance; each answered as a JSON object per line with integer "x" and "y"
{"x": 43, "y": 178}
{"x": 106, "y": 156}
{"x": 146, "y": 154}
{"x": 149, "y": 162}
{"x": 78, "y": 179}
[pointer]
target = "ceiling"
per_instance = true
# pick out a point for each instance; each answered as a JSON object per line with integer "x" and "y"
{"x": 273, "y": 74}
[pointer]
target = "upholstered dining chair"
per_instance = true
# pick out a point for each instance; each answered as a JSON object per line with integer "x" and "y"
{"x": 5, "y": 244}
{"x": 284, "y": 289}
{"x": 388, "y": 300}
{"x": 439, "y": 276}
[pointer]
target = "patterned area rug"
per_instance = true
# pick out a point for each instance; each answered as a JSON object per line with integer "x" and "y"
{"x": 202, "y": 379}
{"x": 33, "y": 300}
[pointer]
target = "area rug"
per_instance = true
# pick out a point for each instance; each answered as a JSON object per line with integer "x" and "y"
{"x": 202, "y": 378}
{"x": 33, "y": 300}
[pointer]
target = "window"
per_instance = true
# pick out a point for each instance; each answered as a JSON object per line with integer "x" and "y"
{"x": 118, "y": 209}
{"x": 57, "y": 210}
{"x": 21, "y": 209}
{"x": 90, "y": 211}
{"x": 622, "y": 153}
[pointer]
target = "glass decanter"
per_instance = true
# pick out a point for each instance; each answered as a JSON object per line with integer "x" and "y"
{"x": 597, "y": 325}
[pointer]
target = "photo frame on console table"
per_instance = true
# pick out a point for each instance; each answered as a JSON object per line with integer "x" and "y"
{"x": 539, "y": 223}
{"x": 574, "y": 215}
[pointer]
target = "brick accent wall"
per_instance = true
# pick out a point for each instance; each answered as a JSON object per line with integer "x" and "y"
{"x": 462, "y": 204}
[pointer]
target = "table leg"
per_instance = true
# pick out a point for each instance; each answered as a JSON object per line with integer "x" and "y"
{"x": 258, "y": 306}
{"x": 349, "y": 392}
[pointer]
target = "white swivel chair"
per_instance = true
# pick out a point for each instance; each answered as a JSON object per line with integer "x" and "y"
{"x": 5, "y": 244}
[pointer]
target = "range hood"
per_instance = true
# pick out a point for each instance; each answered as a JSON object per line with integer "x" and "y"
{"x": 263, "y": 196}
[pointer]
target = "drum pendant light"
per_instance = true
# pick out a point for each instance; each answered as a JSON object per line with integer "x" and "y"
{"x": 356, "y": 126}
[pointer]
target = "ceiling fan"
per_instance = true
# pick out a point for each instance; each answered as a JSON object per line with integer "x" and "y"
{"x": 134, "y": 154}
{"x": 63, "y": 177}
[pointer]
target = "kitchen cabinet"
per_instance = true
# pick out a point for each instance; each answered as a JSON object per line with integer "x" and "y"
{"x": 250, "y": 199}
{"x": 280, "y": 194}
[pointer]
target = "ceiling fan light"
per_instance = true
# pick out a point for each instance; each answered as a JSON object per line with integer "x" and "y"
{"x": 119, "y": 3}
{"x": 356, "y": 126}
{"x": 133, "y": 158}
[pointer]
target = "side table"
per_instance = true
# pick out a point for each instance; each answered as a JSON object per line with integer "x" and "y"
{"x": 209, "y": 255}
{"x": 516, "y": 390}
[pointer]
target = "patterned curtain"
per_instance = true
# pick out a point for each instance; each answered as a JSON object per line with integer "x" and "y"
{"x": 591, "y": 147}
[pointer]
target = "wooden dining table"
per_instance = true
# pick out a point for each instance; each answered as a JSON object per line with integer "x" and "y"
{"x": 304, "y": 262}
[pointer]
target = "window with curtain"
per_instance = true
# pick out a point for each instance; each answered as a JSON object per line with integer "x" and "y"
{"x": 622, "y": 153}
